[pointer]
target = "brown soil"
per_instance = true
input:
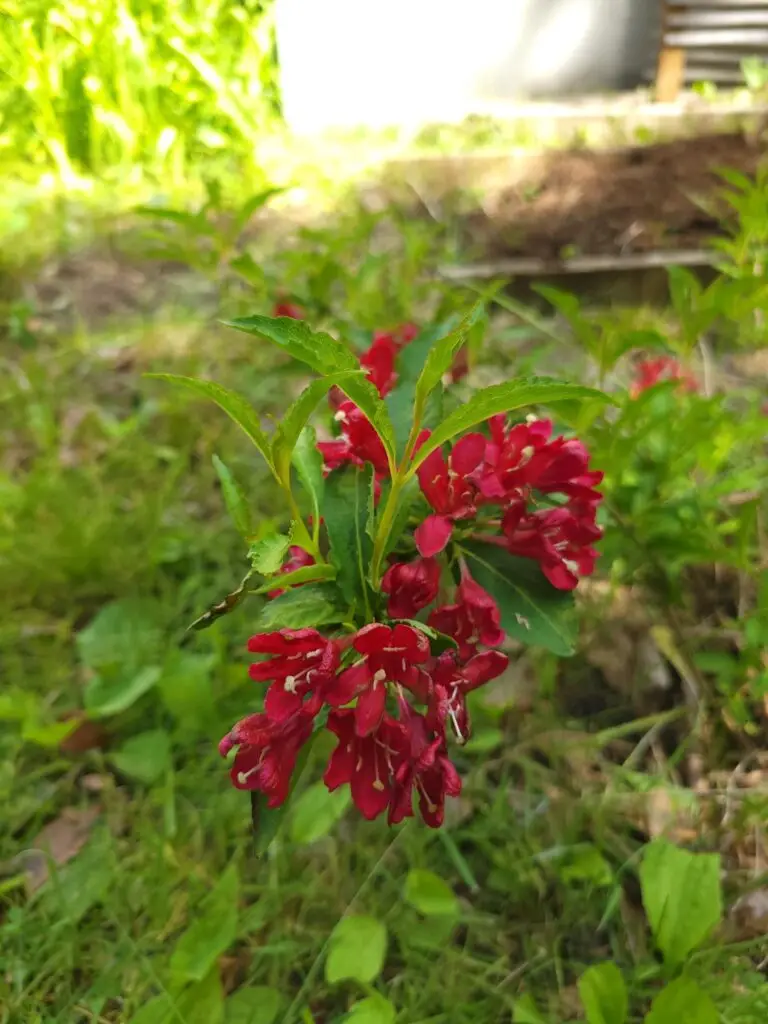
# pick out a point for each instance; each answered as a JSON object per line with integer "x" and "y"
{"x": 631, "y": 200}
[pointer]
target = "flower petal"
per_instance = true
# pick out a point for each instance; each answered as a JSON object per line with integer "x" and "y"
{"x": 432, "y": 535}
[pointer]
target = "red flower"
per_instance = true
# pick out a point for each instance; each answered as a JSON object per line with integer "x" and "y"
{"x": 364, "y": 762}
{"x": 411, "y": 586}
{"x": 649, "y": 372}
{"x": 560, "y": 539}
{"x": 302, "y": 663}
{"x": 391, "y": 655}
{"x": 474, "y": 619}
{"x": 267, "y": 752}
{"x": 298, "y": 558}
{"x": 289, "y": 309}
{"x": 452, "y": 681}
{"x": 359, "y": 444}
{"x": 379, "y": 361}
{"x": 423, "y": 766}
{"x": 448, "y": 488}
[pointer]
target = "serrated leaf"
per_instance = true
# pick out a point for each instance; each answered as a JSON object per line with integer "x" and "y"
{"x": 145, "y": 757}
{"x": 373, "y": 1010}
{"x": 532, "y": 610}
{"x": 254, "y": 1005}
{"x": 268, "y": 554}
{"x": 293, "y": 423}
{"x": 316, "y": 811}
{"x": 308, "y": 463}
{"x": 498, "y": 398}
{"x": 429, "y": 894}
{"x": 440, "y": 358}
{"x": 325, "y": 355}
{"x": 306, "y": 574}
{"x": 312, "y": 605}
{"x": 682, "y": 897}
{"x": 211, "y": 933}
{"x": 238, "y": 408}
{"x": 224, "y": 607}
{"x": 113, "y": 693}
{"x": 239, "y": 510}
{"x": 682, "y": 1002}
{"x": 356, "y": 952}
{"x": 604, "y": 994}
{"x": 345, "y": 512}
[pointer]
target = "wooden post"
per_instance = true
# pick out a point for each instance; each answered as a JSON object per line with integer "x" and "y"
{"x": 670, "y": 69}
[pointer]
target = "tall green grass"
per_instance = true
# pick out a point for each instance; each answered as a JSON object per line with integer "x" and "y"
{"x": 89, "y": 87}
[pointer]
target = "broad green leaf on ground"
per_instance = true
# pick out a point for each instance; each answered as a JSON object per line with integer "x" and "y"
{"x": 373, "y": 1010}
{"x": 308, "y": 463}
{"x": 124, "y": 635}
{"x": 145, "y": 757}
{"x": 295, "y": 419}
{"x": 429, "y": 894}
{"x": 235, "y": 406}
{"x": 316, "y": 811}
{"x": 604, "y": 994}
{"x": 357, "y": 949}
{"x": 526, "y": 1012}
{"x": 312, "y": 605}
{"x": 683, "y": 1002}
{"x": 268, "y": 554}
{"x": 253, "y": 1005}
{"x": 682, "y": 897}
{"x": 345, "y": 512}
{"x": 213, "y": 930}
{"x": 112, "y": 693}
{"x": 583, "y": 862}
{"x": 186, "y": 690}
{"x": 83, "y": 882}
{"x": 532, "y": 610}
{"x": 326, "y": 355}
{"x": 239, "y": 510}
{"x": 498, "y": 398}
{"x": 200, "y": 1003}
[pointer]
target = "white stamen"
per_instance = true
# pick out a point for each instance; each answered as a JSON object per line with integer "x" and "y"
{"x": 571, "y": 566}
{"x": 290, "y": 684}
{"x": 379, "y": 676}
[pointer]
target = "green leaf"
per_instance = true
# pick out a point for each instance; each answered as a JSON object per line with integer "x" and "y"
{"x": 186, "y": 690}
{"x": 110, "y": 694}
{"x": 306, "y": 574}
{"x": 498, "y": 398}
{"x": 682, "y": 897}
{"x": 373, "y": 1010}
{"x": 440, "y": 358}
{"x": 82, "y": 883}
{"x": 345, "y": 512}
{"x": 325, "y": 355}
{"x": 212, "y": 932}
{"x": 124, "y": 635}
{"x": 308, "y": 463}
{"x": 234, "y": 405}
{"x": 145, "y": 757}
{"x": 201, "y": 1003}
{"x": 257, "y": 1005}
{"x": 224, "y": 607}
{"x": 268, "y": 554}
{"x": 532, "y": 610}
{"x": 234, "y": 498}
{"x": 429, "y": 894}
{"x": 316, "y": 812}
{"x": 438, "y": 642}
{"x": 312, "y": 605}
{"x": 526, "y": 1012}
{"x": 604, "y": 994}
{"x": 295, "y": 420}
{"x": 682, "y": 1002}
{"x": 358, "y": 946}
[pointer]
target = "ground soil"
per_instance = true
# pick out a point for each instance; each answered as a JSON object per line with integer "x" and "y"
{"x": 662, "y": 196}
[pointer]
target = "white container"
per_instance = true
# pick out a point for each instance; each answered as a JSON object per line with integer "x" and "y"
{"x": 346, "y": 63}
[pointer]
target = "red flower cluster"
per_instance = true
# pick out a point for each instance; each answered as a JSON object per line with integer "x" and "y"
{"x": 387, "y": 750}
{"x": 649, "y": 372}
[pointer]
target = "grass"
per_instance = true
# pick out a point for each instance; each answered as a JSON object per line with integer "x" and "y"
{"x": 109, "y": 495}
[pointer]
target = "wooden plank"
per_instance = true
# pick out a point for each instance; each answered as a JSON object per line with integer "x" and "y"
{"x": 756, "y": 37}
{"x": 669, "y": 74}
{"x": 527, "y": 266}
{"x": 693, "y": 18}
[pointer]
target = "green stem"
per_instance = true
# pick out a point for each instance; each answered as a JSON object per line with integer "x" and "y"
{"x": 384, "y": 529}
{"x": 300, "y": 532}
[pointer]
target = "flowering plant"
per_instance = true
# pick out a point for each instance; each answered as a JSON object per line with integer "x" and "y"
{"x": 420, "y": 538}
